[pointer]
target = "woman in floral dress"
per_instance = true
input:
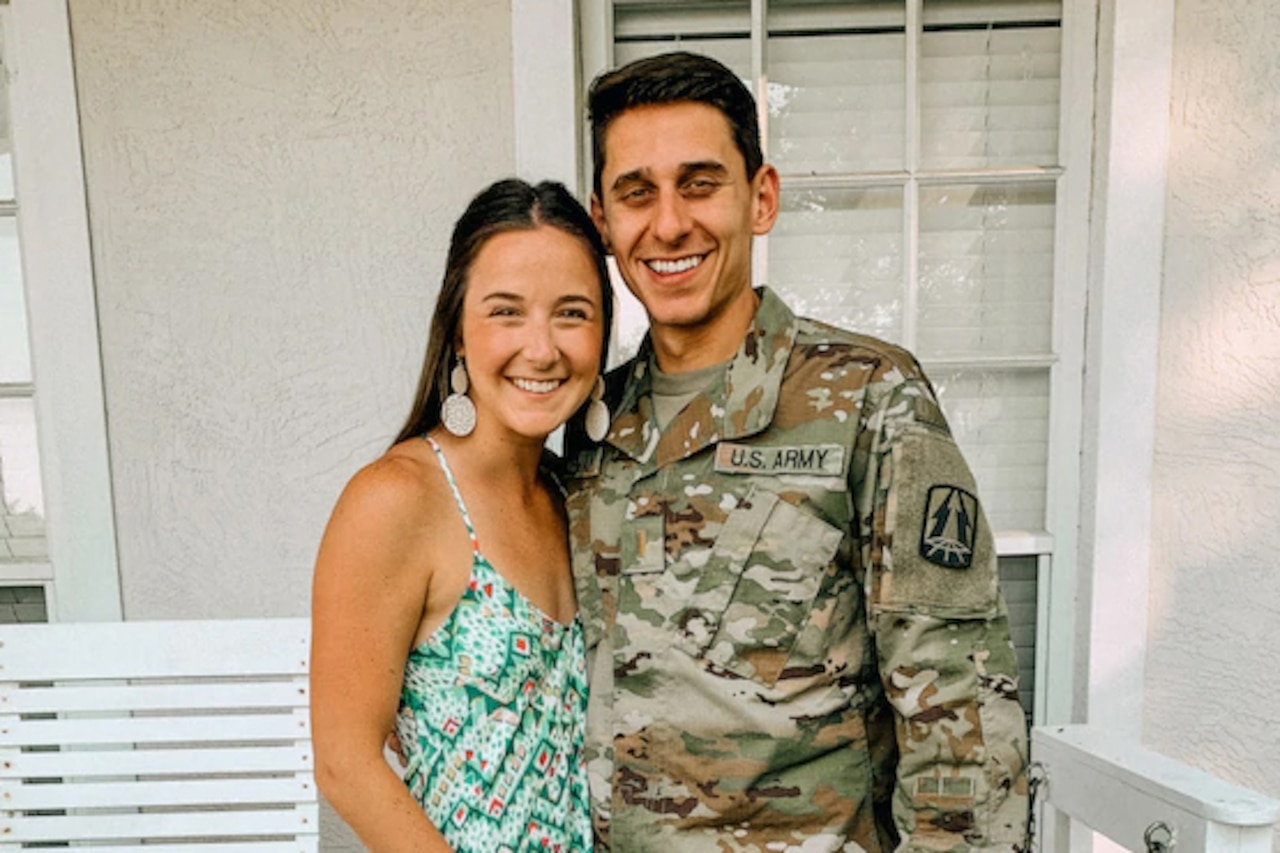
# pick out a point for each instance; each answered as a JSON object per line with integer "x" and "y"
{"x": 443, "y": 607}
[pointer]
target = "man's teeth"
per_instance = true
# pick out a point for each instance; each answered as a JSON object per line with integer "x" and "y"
{"x": 671, "y": 267}
{"x": 537, "y": 387}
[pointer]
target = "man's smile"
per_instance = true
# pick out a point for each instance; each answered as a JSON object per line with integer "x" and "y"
{"x": 672, "y": 267}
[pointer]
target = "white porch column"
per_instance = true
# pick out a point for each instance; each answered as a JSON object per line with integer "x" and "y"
{"x": 1135, "y": 45}
{"x": 544, "y": 54}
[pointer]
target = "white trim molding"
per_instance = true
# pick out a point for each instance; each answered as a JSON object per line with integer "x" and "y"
{"x": 1058, "y": 618}
{"x": 544, "y": 68}
{"x": 1135, "y": 57}
{"x": 53, "y": 229}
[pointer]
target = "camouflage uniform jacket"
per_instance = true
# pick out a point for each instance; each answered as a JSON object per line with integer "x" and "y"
{"x": 795, "y": 636}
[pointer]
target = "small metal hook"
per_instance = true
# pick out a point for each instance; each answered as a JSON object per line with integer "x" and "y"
{"x": 1159, "y": 845}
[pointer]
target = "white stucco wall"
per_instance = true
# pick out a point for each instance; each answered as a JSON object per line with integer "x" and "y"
{"x": 1211, "y": 686}
{"x": 271, "y": 188}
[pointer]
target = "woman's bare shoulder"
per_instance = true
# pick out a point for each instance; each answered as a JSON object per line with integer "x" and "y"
{"x": 396, "y": 493}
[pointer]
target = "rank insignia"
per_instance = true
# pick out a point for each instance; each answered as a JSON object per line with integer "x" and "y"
{"x": 949, "y": 528}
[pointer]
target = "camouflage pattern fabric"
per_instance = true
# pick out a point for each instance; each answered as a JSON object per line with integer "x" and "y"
{"x": 795, "y": 636}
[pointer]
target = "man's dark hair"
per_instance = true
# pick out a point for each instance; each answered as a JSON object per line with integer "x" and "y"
{"x": 667, "y": 79}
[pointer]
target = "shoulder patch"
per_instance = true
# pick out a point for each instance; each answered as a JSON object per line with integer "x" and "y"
{"x": 949, "y": 528}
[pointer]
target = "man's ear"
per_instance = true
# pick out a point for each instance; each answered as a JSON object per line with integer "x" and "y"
{"x": 765, "y": 189}
{"x": 597, "y": 216}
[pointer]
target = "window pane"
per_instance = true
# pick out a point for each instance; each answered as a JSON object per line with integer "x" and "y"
{"x": 22, "y": 537}
{"x": 721, "y": 30}
{"x": 1018, "y": 578}
{"x": 6, "y": 144}
{"x": 989, "y": 96}
{"x": 836, "y": 255}
{"x": 986, "y": 270}
{"x": 1000, "y": 419}
{"x": 15, "y": 357}
{"x": 22, "y": 604}
{"x": 835, "y": 101}
{"x": 734, "y": 53}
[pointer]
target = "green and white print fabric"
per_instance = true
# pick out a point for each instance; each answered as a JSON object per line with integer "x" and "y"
{"x": 492, "y": 719}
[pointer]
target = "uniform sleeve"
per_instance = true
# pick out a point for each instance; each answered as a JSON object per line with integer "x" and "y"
{"x": 941, "y": 631}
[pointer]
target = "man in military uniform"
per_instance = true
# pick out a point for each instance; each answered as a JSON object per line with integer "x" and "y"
{"x": 788, "y": 585}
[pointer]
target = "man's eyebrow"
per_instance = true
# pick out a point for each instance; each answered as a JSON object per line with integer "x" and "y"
{"x": 641, "y": 174}
{"x": 687, "y": 169}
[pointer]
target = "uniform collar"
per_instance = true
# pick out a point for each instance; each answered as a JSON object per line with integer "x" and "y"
{"x": 739, "y": 404}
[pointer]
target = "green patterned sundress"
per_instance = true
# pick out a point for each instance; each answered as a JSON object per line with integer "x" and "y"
{"x": 492, "y": 719}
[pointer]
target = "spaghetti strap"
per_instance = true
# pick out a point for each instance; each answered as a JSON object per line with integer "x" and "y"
{"x": 457, "y": 495}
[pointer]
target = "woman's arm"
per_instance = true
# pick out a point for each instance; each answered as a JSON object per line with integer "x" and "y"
{"x": 367, "y": 602}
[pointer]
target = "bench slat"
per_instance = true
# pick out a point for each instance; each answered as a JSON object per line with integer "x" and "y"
{"x": 82, "y": 763}
{"x": 180, "y": 792}
{"x": 111, "y": 650}
{"x": 198, "y": 696}
{"x": 304, "y": 844}
{"x": 227, "y": 728}
{"x": 168, "y": 825}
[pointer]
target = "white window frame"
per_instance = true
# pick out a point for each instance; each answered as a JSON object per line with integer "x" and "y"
{"x": 1055, "y": 642}
{"x": 53, "y": 230}
{"x": 1091, "y": 640}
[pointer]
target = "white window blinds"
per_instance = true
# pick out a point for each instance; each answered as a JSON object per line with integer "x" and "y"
{"x": 917, "y": 143}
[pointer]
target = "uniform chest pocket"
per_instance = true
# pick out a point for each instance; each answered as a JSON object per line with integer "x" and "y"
{"x": 758, "y": 587}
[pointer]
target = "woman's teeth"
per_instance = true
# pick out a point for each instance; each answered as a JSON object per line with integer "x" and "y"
{"x": 537, "y": 387}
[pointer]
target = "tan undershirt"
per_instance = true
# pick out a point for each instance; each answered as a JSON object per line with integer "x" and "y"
{"x": 673, "y": 391}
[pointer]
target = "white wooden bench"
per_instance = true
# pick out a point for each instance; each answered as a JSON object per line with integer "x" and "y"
{"x": 194, "y": 737}
{"x": 180, "y": 736}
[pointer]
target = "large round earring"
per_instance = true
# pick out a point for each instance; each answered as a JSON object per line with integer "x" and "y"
{"x": 458, "y": 414}
{"x": 597, "y": 421}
